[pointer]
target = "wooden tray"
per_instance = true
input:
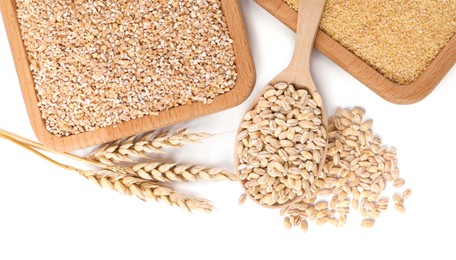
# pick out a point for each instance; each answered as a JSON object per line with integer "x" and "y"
{"x": 387, "y": 89}
{"x": 242, "y": 89}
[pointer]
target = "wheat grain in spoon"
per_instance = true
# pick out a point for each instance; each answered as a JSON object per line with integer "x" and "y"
{"x": 281, "y": 142}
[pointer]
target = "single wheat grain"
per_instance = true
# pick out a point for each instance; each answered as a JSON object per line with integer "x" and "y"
{"x": 406, "y": 194}
{"x": 242, "y": 199}
{"x": 367, "y": 223}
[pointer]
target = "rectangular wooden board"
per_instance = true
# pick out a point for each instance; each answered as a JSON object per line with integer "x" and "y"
{"x": 244, "y": 85}
{"x": 387, "y": 89}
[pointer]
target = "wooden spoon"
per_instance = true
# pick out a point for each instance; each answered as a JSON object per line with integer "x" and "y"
{"x": 298, "y": 72}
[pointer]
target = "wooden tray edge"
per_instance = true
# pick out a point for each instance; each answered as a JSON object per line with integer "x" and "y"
{"x": 382, "y": 86}
{"x": 241, "y": 91}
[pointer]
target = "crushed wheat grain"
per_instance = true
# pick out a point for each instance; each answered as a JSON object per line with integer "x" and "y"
{"x": 100, "y": 63}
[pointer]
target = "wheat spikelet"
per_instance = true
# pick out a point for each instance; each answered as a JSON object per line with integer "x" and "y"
{"x": 178, "y": 139}
{"x": 170, "y": 172}
{"x": 140, "y": 146}
{"x": 109, "y": 153}
{"x": 145, "y": 189}
{"x": 167, "y": 140}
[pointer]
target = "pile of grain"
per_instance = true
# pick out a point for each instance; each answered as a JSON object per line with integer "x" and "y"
{"x": 99, "y": 63}
{"x": 356, "y": 173}
{"x": 398, "y": 38}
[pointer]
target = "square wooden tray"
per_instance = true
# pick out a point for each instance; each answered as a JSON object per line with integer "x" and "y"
{"x": 387, "y": 89}
{"x": 240, "y": 92}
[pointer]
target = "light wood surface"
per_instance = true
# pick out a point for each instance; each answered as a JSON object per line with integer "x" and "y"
{"x": 298, "y": 72}
{"x": 244, "y": 85}
{"x": 387, "y": 89}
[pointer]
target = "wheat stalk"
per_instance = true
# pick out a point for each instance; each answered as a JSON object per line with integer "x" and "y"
{"x": 169, "y": 172}
{"x": 145, "y": 189}
{"x": 35, "y": 145}
{"x": 116, "y": 179}
{"x": 140, "y": 146}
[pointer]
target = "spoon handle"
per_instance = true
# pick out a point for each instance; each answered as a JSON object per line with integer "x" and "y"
{"x": 309, "y": 16}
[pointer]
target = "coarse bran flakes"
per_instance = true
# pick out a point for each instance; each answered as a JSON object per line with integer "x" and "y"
{"x": 397, "y": 38}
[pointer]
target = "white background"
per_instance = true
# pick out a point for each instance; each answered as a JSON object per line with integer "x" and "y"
{"x": 49, "y": 213}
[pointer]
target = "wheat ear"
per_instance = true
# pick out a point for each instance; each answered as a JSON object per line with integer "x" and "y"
{"x": 140, "y": 146}
{"x": 145, "y": 189}
{"x": 167, "y": 172}
{"x": 123, "y": 183}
